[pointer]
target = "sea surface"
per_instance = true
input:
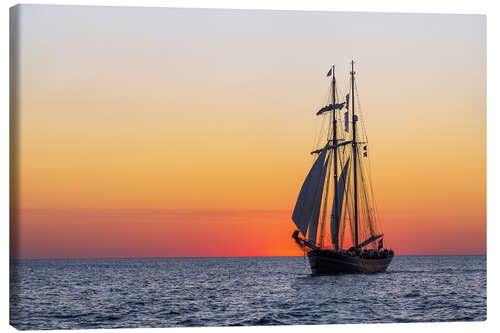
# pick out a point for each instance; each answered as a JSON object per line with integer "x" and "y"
{"x": 113, "y": 293}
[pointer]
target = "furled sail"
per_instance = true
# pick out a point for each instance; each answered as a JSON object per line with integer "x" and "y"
{"x": 307, "y": 202}
{"x": 337, "y": 106}
{"x": 339, "y": 198}
{"x": 346, "y": 121}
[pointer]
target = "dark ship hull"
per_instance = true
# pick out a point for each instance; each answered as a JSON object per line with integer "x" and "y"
{"x": 336, "y": 262}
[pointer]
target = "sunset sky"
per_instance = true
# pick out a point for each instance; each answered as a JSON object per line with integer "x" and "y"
{"x": 155, "y": 132}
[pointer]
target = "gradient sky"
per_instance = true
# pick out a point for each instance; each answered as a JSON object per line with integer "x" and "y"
{"x": 156, "y": 132}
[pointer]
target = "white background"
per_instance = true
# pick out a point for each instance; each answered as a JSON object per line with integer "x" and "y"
{"x": 490, "y": 8}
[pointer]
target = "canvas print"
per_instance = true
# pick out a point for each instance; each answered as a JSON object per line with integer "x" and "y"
{"x": 219, "y": 167}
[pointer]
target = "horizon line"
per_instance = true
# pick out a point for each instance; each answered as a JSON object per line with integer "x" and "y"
{"x": 220, "y": 257}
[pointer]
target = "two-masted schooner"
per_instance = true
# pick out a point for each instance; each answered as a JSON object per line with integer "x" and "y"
{"x": 336, "y": 200}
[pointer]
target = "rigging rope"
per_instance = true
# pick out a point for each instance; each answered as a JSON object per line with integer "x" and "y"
{"x": 368, "y": 225}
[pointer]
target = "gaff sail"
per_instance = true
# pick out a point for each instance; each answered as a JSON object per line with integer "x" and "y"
{"x": 308, "y": 204}
{"x": 339, "y": 199}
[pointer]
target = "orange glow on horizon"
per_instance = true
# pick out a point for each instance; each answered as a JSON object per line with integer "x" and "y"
{"x": 93, "y": 234}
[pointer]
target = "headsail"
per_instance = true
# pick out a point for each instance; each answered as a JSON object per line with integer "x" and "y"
{"x": 318, "y": 194}
{"x": 307, "y": 202}
{"x": 339, "y": 198}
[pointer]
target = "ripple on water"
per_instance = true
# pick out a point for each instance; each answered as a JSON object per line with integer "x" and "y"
{"x": 112, "y": 293}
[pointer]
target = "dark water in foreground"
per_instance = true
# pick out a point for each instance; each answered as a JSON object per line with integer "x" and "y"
{"x": 112, "y": 293}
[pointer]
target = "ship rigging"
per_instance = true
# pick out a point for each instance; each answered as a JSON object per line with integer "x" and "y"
{"x": 337, "y": 198}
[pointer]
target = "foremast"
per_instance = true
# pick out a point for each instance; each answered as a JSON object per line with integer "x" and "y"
{"x": 355, "y": 158}
{"x": 335, "y": 205}
{"x": 308, "y": 206}
{"x": 313, "y": 196}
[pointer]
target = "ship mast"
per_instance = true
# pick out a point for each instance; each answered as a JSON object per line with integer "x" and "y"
{"x": 335, "y": 171}
{"x": 355, "y": 159}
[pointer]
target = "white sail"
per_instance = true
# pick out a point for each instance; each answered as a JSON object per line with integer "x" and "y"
{"x": 339, "y": 198}
{"x": 306, "y": 202}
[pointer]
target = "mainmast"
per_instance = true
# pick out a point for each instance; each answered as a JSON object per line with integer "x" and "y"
{"x": 355, "y": 159}
{"x": 335, "y": 209}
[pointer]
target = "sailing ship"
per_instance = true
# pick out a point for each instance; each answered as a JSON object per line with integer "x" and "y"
{"x": 335, "y": 211}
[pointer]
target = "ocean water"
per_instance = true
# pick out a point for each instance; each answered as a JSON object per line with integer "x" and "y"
{"x": 113, "y": 293}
